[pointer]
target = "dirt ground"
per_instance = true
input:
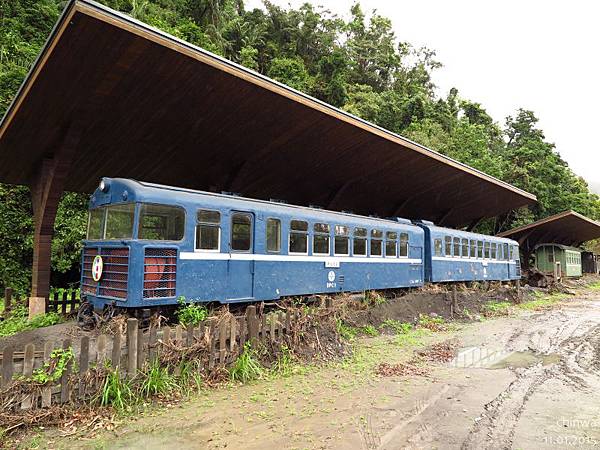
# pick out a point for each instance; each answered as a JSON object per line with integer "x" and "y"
{"x": 529, "y": 380}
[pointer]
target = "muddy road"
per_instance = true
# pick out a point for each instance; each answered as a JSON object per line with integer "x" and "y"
{"x": 527, "y": 381}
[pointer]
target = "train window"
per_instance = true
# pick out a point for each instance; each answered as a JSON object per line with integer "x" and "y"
{"x": 403, "y": 245}
{"x": 321, "y": 239}
{"x": 161, "y": 222}
{"x": 119, "y": 221}
{"x": 96, "y": 223}
{"x": 448, "y": 242}
{"x": 473, "y": 249}
{"x": 456, "y": 246}
{"x": 341, "y": 245}
{"x": 390, "y": 244}
{"x": 298, "y": 236}
{"x": 360, "y": 242}
{"x": 437, "y": 247}
{"x": 376, "y": 243}
{"x": 494, "y": 253}
{"x": 465, "y": 248}
{"x": 241, "y": 232}
{"x": 208, "y": 230}
{"x": 480, "y": 249}
{"x": 486, "y": 248}
{"x": 273, "y": 235}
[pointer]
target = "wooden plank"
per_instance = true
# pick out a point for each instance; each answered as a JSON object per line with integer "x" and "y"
{"x": 211, "y": 344}
{"x": 8, "y": 294}
{"x": 63, "y": 304}
{"x": 116, "y": 350}
{"x": 54, "y": 305}
{"x": 132, "y": 347}
{"x": 166, "y": 337}
{"x": 243, "y": 326}
{"x": 232, "y": 334}
{"x": 263, "y": 327}
{"x": 288, "y": 321}
{"x": 27, "y": 401}
{"x": 7, "y": 366}
{"x": 101, "y": 350}
{"x": 46, "y": 391}
{"x": 84, "y": 363}
{"x": 65, "y": 393}
{"x": 178, "y": 334}
{"x": 152, "y": 343}
{"x": 72, "y": 302}
{"x": 142, "y": 350}
{"x": 222, "y": 341}
{"x": 281, "y": 325}
{"x": 189, "y": 335}
{"x": 252, "y": 323}
{"x": 273, "y": 322}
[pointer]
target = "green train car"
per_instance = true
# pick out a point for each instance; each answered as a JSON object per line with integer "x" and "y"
{"x": 547, "y": 255}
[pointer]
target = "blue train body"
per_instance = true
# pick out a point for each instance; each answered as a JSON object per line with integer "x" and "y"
{"x": 149, "y": 245}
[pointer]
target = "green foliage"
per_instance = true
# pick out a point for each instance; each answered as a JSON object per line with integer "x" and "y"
{"x": 374, "y": 298}
{"x": 19, "y": 321}
{"x": 396, "y": 326}
{"x": 247, "y": 367}
{"x": 357, "y": 64}
{"x": 284, "y": 365}
{"x": 369, "y": 330}
{"x": 157, "y": 380}
{"x": 493, "y": 309}
{"x": 431, "y": 323}
{"x": 345, "y": 331}
{"x": 52, "y": 370}
{"x": 191, "y": 314}
{"x": 117, "y": 391}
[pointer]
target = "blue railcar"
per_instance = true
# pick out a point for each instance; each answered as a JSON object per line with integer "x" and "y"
{"x": 147, "y": 245}
{"x": 457, "y": 256}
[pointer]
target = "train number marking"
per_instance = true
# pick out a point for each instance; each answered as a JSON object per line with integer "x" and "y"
{"x": 333, "y": 264}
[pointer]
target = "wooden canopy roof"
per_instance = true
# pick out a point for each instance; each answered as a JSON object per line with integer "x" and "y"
{"x": 148, "y": 106}
{"x": 567, "y": 228}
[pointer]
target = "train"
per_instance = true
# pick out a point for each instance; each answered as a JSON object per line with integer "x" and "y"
{"x": 149, "y": 246}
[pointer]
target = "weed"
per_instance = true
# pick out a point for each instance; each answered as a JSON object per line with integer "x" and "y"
{"x": 157, "y": 380}
{"x": 396, "y": 326}
{"x": 374, "y": 298}
{"x": 412, "y": 338}
{"x": 594, "y": 286}
{"x": 117, "y": 392}
{"x": 347, "y": 332}
{"x": 190, "y": 314}
{"x": 542, "y": 303}
{"x": 247, "y": 367}
{"x": 284, "y": 366}
{"x": 18, "y": 321}
{"x": 431, "y": 323}
{"x": 52, "y": 370}
{"x": 494, "y": 309}
{"x": 369, "y": 330}
{"x": 190, "y": 377}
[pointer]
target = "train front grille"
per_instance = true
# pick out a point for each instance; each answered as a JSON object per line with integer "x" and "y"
{"x": 160, "y": 272}
{"x": 115, "y": 272}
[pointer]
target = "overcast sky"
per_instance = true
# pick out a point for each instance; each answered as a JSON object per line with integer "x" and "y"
{"x": 533, "y": 54}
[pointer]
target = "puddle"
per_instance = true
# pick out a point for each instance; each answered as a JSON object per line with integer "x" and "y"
{"x": 486, "y": 358}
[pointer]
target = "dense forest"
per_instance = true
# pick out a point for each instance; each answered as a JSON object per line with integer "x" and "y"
{"x": 357, "y": 64}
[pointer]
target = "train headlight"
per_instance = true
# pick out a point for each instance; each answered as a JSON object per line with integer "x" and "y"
{"x": 103, "y": 186}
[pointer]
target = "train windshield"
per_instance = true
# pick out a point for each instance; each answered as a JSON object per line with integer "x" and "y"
{"x": 111, "y": 222}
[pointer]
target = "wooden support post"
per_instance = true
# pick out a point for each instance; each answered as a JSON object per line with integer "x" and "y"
{"x": 65, "y": 389}
{"x": 116, "y": 350}
{"x": 454, "y": 298}
{"x": 252, "y": 322}
{"x": 222, "y": 341}
{"x": 132, "y": 347}
{"x": 84, "y": 363}
{"x": 46, "y": 191}
{"x": 47, "y": 391}
{"x": 7, "y": 301}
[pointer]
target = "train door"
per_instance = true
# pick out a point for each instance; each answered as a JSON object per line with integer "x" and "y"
{"x": 241, "y": 256}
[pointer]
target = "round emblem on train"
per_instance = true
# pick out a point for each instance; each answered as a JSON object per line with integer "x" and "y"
{"x": 97, "y": 267}
{"x": 331, "y": 276}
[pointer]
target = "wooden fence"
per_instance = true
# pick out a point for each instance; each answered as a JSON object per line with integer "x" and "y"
{"x": 135, "y": 348}
{"x": 62, "y": 303}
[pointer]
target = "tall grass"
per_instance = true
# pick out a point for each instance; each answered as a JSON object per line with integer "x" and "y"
{"x": 247, "y": 367}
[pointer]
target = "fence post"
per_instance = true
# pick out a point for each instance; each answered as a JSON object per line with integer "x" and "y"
{"x": 64, "y": 379}
{"x": 27, "y": 401}
{"x": 252, "y": 323}
{"x": 7, "y": 301}
{"x": 47, "y": 391}
{"x": 7, "y": 366}
{"x": 84, "y": 363}
{"x": 132, "y": 346}
{"x": 116, "y": 350}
